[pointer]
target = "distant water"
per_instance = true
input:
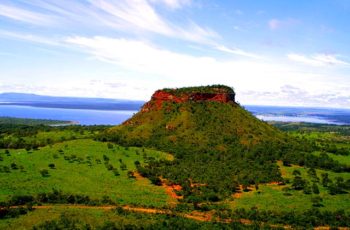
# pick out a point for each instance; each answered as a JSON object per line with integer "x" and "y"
{"x": 296, "y": 119}
{"x": 81, "y": 116}
{"x": 334, "y": 116}
{"x": 115, "y": 117}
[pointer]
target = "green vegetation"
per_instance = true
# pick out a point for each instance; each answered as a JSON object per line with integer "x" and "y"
{"x": 80, "y": 167}
{"x": 32, "y": 137}
{"x": 75, "y": 218}
{"x": 207, "y": 136}
{"x": 204, "y": 137}
{"x": 201, "y": 89}
{"x": 284, "y": 197}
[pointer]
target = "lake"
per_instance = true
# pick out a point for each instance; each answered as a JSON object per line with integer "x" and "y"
{"x": 81, "y": 116}
{"x": 115, "y": 117}
{"x": 335, "y": 116}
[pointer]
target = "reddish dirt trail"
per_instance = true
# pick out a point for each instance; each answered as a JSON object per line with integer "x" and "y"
{"x": 107, "y": 207}
{"x": 169, "y": 189}
{"x": 146, "y": 210}
{"x": 195, "y": 215}
{"x": 199, "y": 216}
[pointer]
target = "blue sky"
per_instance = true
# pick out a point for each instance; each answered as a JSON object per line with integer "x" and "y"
{"x": 273, "y": 52}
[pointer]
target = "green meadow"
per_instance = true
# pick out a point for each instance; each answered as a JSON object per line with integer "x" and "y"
{"x": 83, "y": 167}
{"x": 277, "y": 197}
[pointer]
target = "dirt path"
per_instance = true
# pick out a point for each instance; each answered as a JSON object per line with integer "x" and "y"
{"x": 195, "y": 215}
{"x": 170, "y": 190}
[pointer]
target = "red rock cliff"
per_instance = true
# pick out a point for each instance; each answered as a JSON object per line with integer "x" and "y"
{"x": 161, "y": 96}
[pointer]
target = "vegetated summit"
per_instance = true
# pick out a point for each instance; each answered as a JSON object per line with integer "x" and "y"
{"x": 216, "y": 143}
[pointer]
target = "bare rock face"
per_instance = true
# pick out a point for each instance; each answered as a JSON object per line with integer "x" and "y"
{"x": 161, "y": 96}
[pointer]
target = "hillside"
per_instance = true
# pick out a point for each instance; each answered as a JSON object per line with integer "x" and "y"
{"x": 214, "y": 140}
{"x": 181, "y": 117}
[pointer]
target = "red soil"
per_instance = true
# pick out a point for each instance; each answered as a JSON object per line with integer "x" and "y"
{"x": 161, "y": 96}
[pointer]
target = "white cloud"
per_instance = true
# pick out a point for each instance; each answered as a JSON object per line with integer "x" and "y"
{"x": 30, "y": 38}
{"x": 174, "y": 4}
{"x": 132, "y": 16}
{"x": 299, "y": 95}
{"x": 238, "y": 52}
{"x": 318, "y": 59}
{"x": 22, "y": 15}
{"x": 275, "y": 24}
{"x": 141, "y": 15}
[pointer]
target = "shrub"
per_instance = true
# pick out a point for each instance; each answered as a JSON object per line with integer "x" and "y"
{"x": 109, "y": 167}
{"x": 116, "y": 172}
{"x": 14, "y": 166}
{"x": 130, "y": 175}
{"x": 109, "y": 145}
{"x": 123, "y": 166}
{"x": 105, "y": 158}
{"x": 44, "y": 173}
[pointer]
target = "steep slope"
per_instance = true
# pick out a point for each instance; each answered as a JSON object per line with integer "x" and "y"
{"x": 182, "y": 117}
{"x": 215, "y": 141}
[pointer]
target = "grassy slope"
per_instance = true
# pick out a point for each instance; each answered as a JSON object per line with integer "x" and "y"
{"x": 340, "y": 158}
{"x": 204, "y": 124}
{"x": 86, "y": 216}
{"x": 270, "y": 197}
{"x": 46, "y": 137}
{"x": 78, "y": 177}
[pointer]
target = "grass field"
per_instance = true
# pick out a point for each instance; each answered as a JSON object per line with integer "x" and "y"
{"x": 340, "y": 158}
{"x": 93, "y": 217}
{"x": 272, "y": 196}
{"x": 43, "y": 138}
{"x": 79, "y": 168}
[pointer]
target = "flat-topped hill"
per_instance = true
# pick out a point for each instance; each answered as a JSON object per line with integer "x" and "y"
{"x": 214, "y": 140}
{"x": 217, "y": 93}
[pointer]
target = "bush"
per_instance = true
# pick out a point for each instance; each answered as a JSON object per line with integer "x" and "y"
{"x": 14, "y": 166}
{"x": 44, "y": 173}
{"x": 130, "y": 175}
{"x": 109, "y": 167}
{"x": 109, "y": 145}
{"x": 116, "y": 172}
{"x": 52, "y": 166}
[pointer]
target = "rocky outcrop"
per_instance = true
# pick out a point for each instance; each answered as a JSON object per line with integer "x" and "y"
{"x": 161, "y": 96}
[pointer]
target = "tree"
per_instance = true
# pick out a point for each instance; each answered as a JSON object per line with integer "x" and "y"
{"x": 315, "y": 189}
{"x": 14, "y": 166}
{"x": 317, "y": 201}
{"x": 307, "y": 188}
{"x": 52, "y": 166}
{"x": 116, "y": 172}
{"x": 130, "y": 175}
{"x": 105, "y": 158}
{"x": 123, "y": 166}
{"x": 109, "y": 145}
{"x": 296, "y": 172}
{"x": 325, "y": 179}
{"x": 109, "y": 167}
{"x": 312, "y": 173}
{"x": 44, "y": 173}
{"x": 298, "y": 183}
{"x": 137, "y": 163}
